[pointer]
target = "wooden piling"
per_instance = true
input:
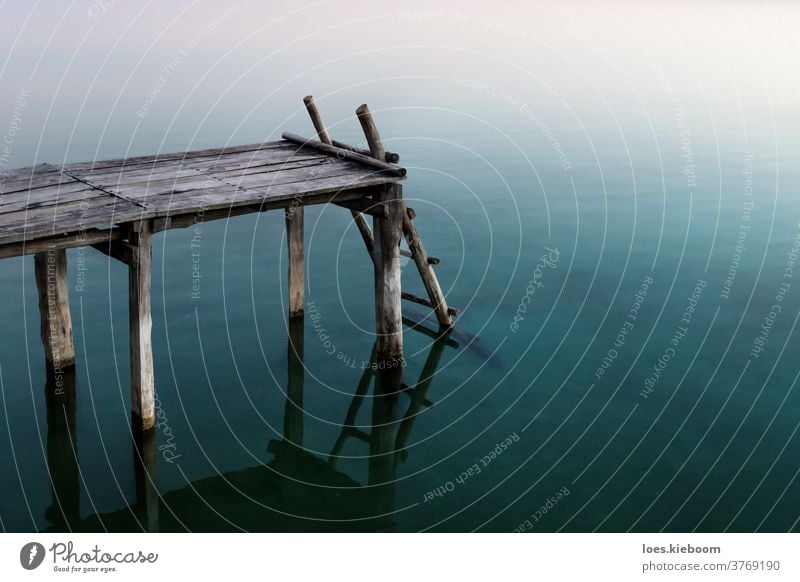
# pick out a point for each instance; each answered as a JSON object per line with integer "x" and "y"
{"x": 388, "y": 311}
{"x": 56, "y": 322}
{"x": 139, "y": 276}
{"x": 294, "y": 237}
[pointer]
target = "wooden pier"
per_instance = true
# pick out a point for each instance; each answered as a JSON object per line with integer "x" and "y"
{"x": 117, "y": 206}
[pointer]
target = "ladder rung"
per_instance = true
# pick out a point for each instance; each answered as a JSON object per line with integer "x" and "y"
{"x": 422, "y": 301}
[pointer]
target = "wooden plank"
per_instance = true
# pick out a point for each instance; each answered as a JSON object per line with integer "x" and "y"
{"x": 68, "y": 218}
{"x": 48, "y": 197}
{"x": 206, "y": 165}
{"x": 59, "y": 242}
{"x": 172, "y": 156}
{"x": 345, "y": 154}
{"x": 50, "y": 268}
{"x": 281, "y": 195}
{"x": 388, "y": 311}
{"x": 296, "y": 276}
{"x": 141, "y": 347}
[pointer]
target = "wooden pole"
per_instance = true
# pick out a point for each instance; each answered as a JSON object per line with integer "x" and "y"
{"x": 434, "y": 290}
{"x": 388, "y": 311}
{"x": 139, "y": 276}
{"x": 371, "y": 132}
{"x": 343, "y": 154}
{"x": 50, "y": 268}
{"x": 316, "y": 119}
{"x": 294, "y": 236}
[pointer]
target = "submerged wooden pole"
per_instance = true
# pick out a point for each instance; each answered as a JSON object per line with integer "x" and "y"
{"x": 141, "y": 324}
{"x": 294, "y": 236}
{"x": 56, "y": 322}
{"x": 388, "y": 311}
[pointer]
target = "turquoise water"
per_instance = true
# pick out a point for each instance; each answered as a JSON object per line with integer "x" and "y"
{"x": 613, "y": 199}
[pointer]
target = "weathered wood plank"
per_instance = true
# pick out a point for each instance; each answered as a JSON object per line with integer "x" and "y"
{"x": 79, "y": 239}
{"x": 171, "y": 156}
{"x": 56, "y": 322}
{"x": 48, "y": 197}
{"x": 141, "y": 347}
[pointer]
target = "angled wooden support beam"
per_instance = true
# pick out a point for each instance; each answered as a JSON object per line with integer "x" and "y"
{"x": 429, "y": 279}
{"x": 296, "y": 276}
{"x": 56, "y": 322}
{"x": 141, "y": 325}
{"x": 116, "y": 249}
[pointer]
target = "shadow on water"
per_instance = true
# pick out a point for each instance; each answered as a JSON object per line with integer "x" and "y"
{"x": 296, "y": 490}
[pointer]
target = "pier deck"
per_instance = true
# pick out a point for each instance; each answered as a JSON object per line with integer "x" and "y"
{"x": 115, "y": 206}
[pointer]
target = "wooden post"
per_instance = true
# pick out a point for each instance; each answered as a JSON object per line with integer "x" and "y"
{"x": 371, "y": 132}
{"x": 388, "y": 311}
{"x": 139, "y": 276}
{"x": 56, "y": 322}
{"x": 316, "y": 119}
{"x": 426, "y": 272}
{"x": 294, "y": 236}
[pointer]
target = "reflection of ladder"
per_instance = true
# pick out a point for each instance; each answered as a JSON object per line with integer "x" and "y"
{"x": 424, "y": 263}
{"x": 417, "y": 400}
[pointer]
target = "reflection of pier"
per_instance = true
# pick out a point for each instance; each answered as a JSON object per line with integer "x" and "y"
{"x": 295, "y": 491}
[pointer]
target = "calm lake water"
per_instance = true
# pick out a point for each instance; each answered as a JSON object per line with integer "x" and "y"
{"x": 612, "y": 191}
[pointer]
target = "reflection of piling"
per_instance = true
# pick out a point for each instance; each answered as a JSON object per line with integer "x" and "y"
{"x": 349, "y": 427}
{"x": 145, "y": 464}
{"x": 382, "y": 447}
{"x": 62, "y": 450}
{"x": 293, "y": 415}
